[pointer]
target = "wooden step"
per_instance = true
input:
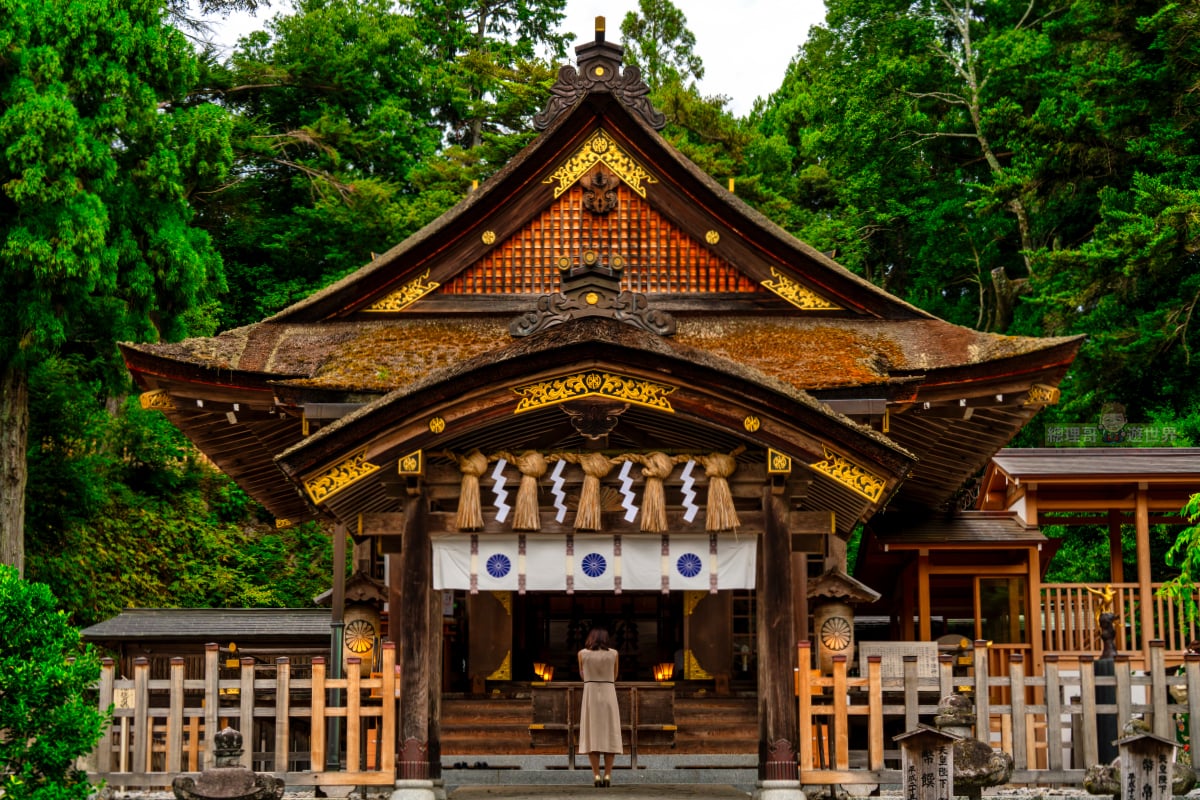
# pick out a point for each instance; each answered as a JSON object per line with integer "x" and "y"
{"x": 500, "y": 725}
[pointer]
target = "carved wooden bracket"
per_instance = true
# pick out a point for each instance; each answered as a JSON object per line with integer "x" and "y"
{"x": 593, "y": 290}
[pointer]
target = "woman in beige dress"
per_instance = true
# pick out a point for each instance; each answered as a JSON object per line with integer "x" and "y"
{"x": 599, "y": 720}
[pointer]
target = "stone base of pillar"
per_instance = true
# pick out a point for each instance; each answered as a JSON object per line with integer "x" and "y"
{"x": 778, "y": 790}
{"x": 439, "y": 789}
{"x": 414, "y": 790}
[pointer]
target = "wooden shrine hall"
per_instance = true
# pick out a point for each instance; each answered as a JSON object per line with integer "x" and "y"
{"x": 599, "y": 390}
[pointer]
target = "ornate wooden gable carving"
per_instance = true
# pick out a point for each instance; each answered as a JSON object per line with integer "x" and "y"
{"x": 600, "y": 70}
{"x": 656, "y": 256}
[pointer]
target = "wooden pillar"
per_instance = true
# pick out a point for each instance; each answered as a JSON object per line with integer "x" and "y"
{"x": 1033, "y": 607}
{"x": 413, "y": 637}
{"x": 1116, "y": 555}
{"x": 800, "y": 596}
{"x": 924, "y": 605}
{"x": 907, "y": 591}
{"x": 434, "y": 669}
{"x": 1145, "y": 590}
{"x": 394, "y": 579}
{"x": 777, "y": 722}
{"x": 337, "y": 623}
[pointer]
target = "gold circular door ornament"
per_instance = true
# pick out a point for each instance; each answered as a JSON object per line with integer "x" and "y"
{"x": 360, "y": 636}
{"x": 836, "y": 634}
{"x": 712, "y": 237}
{"x": 489, "y": 237}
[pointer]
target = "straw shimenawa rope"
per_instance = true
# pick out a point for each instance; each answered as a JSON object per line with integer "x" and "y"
{"x": 595, "y": 466}
{"x": 720, "y": 514}
{"x": 472, "y": 465}
{"x": 532, "y": 465}
{"x": 656, "y": 467}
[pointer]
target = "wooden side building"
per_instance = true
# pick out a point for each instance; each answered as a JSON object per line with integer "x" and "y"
{"x": 601, "y": 390}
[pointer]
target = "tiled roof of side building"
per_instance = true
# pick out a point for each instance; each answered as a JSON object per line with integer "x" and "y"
{"x": 1073, "y": 462}
{"x": 211, "y": 624}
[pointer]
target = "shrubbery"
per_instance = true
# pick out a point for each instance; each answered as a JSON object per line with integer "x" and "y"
{"x": 48, "y": 717}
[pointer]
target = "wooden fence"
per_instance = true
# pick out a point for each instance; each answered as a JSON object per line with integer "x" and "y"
{"x": 1070, "y": 613}
{"x": 161, "y": 728}
{"x": 1048, "y": 723}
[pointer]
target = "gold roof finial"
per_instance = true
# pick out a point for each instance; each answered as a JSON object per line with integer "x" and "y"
{"x": 599, "y": 29}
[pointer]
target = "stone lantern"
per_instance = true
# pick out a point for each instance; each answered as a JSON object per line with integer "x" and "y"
{"x": 362, "y": 617}
{"x": 832, "y": 597}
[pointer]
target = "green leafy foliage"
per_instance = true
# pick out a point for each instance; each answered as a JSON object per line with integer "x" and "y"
{"x": 157, "y": 527}
{"x": 47, "y": 710}
{"x": 658, "y": 42}
{"x": 1184, "y": 555}
{"x": 97, "y": 166}
{"x": 1010, "y": 167}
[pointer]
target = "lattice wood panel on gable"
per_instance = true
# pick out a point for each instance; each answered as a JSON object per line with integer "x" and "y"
{"x": 658, "y": 256}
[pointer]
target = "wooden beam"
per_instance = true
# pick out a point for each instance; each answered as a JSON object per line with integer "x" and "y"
{"x": 611, "y": 522}
{"x": 383, "y": 524}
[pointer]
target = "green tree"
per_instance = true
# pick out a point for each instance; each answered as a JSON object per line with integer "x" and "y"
{"x": 96, "y": 167}
{"x": 1184, "y": 555}
{"x": 124, "y": 513}
{"x": 658, "y": 42}
{"x": 47, "y": 712}
{"x": 477, "y": 52}
{"x": 1008, "y": 166}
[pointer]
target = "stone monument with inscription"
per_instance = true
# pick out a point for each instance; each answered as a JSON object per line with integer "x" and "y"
{"x": 926, "y": 763}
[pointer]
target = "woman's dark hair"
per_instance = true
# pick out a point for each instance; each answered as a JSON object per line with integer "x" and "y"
{"x": 597, "y": 640}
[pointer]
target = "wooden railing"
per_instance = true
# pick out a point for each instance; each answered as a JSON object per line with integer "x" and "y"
{"x": 162, "y": 728}
{"x": 1048, "y": 722}
{"x": 1070, "y": 614}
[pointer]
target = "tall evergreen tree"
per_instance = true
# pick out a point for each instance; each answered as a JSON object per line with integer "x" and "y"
{"x": 96, "y": 168}
{"x": 1007, "y": 165}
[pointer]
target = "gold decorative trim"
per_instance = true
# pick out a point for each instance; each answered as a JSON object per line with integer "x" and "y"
{"x": 1041, "y": 394}
{"x": 752, "y": 423}
{"x": 691, "y": 599}
{"x": 850, "y": 475}
{"x": 283, "y": 524}
{"x": 157, "y": 400}
{"x": 504, "y": 671}
{"x": 778, "y": 463}
{"x": 411, "y": 464}
{"x": 712, "y": 237}
{"x": 437, "y": 424}
{"x": 488, "y": 237}
{"x": 600, "y": 149}
{"x": 594, "y": 384}
{"x": 799, "y": 296}
{"x": 339, "y": 476}
{"x": 406, "y": 295}
{"x": 504, "y": 599}
{"x": 692, "y": 671}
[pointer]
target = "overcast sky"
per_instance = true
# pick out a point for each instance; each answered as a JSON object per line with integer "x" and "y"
{"x": 746, "y": 48}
